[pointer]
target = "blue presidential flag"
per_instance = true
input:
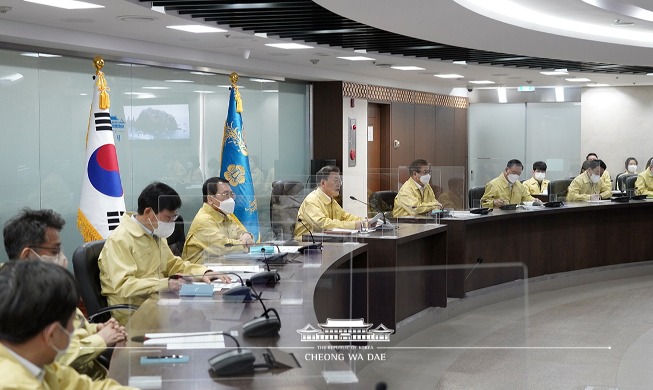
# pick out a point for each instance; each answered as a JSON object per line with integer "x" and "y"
{"x": 235, "y": 163}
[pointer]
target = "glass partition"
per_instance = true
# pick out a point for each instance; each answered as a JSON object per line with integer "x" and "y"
{"x": 168, "y": 126}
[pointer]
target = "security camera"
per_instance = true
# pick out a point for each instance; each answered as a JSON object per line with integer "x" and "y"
{"x": 314, "y": 61}
{"x": 470, "y": 88}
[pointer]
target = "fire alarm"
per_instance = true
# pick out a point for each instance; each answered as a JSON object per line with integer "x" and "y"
{"x": 354, "y": 127}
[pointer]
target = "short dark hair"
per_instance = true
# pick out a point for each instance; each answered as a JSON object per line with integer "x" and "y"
{"x": 324, "y": 172}
{"x": 628, "y": 160}
{"x": 539, "y": 166}
{"x": 158, "y": 196}
{"x": 210, "y": 186}
{"x": 649, "y": 162}
{"x": 27, "y": 229}
{"x": 585, "y": 166}
{"x": 416, "y": 166}
{"x": 597, "y": 163}
{"x": 591, "y": 154}
{"x": 514, "y": 162}
{"x": 34, "y": 295}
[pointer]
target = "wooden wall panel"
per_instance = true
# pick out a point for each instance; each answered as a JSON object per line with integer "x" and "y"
{"x": 460, "y": 137}
{"x": 425, "y": 136}
{"x": 327, "y": 121}
{"x": 445, "y": 130}
{"x": 402, "y": 129}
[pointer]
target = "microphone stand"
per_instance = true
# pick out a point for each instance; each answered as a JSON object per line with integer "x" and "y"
{"x": 314, "y": 246}
{"x": 262, "y": 326}
{"x": 385, "y": 222}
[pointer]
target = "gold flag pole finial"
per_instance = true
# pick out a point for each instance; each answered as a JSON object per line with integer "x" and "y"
{"x": 104, "y": 102}
{"x": 239, "y": 102}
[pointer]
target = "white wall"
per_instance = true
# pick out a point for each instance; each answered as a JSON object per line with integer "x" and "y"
{"x": 355, "y": 178}
{"x": 616, "y": 123}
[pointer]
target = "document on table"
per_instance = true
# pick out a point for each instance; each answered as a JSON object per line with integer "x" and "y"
{"x": 289, "y": 248}
{"x": 192, "y": 340}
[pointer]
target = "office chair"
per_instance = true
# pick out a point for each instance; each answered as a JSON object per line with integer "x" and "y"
{"x": 87, "y": 273}
{"x": 178, "y": 237}
{"x": 620, "y": 181}
{"x": 559, "y": 188}
{"x": 285, "y": 200}
{"x": 382, "y": 201}
{"x": 630, "y": 185}
{"x": 475, "y": 193}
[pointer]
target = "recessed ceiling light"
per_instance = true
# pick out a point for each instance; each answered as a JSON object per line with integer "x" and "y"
{"x": 203, "y": 73}
{"x": 136, "y": 18}
{"x": 161, "y": 10}
{"x": 197, "y": 29}
{"x": 481, "y": 82}
{"x": 555, "y": 73}
{"x": 261, "y": 35}
{"x": 66, "y": 4}
{"x": 357, "y": 58}
{"x": 649, "y": 74}
{"x": 204, "y": 91}
{"x": 460, "y": 62}
{"x": 407, "y": 67}
{"x": 449, "y": 76}
{"x": 178, "y": 81}
{"x": 288, "y": 46}
{"x": 156, "y": 87}
{"x": 598, "y": 85}
{"x": 362, "y": 51}
{"x": 578, "y": 80}
{"x": 263, "y": 81}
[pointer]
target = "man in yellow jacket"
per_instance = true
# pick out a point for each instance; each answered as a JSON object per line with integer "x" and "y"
{"x": 37, "y": 313}
{"x": 215, "y": 225}
{"x": 589, "y": 183}
{"x": 506, "y": 188}
{"x": 34, "y": 234}
{"x": 644, "y": 182}
{"x": 416, "y": 195}
{"x": 136, "y": 261}
{"x": 538, "y": 185}
{"x": 320, "y": 211}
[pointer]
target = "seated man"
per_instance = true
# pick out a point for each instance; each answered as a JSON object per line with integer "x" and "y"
{"x": 538, "y": 185}
{"x": 454, "y": 197}
{"x": 589, "y": 183}
{"x": 416, "y": 195}
{"x": 136, "y": 260}
{"x": 319, "y": 211}
{"x": 37, "y": 322}
{"x": 605, "y": 176}
{"x": 644, "y": 182}
{"x": 34, "y": 234}
{"x": 215, "y": 225}
{"x": 506, "y": 188}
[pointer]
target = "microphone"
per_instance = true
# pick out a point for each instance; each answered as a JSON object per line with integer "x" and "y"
{"x": 385, "y": 222}
{"x": 263, "y": 326}
{"x": 143, "y": 338}
{"x": 311, "y": 247}
{"x": 479, "y": 260}
{"x": 238, "y": 293}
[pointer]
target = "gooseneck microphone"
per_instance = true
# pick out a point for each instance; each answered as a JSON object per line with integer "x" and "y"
{"x": 263, "y": 326}
{"x": 311, "y": 247}
{"x": 479, "y": 260}
{"x": 238, "y": 293}
{"x": 385, "y": 222}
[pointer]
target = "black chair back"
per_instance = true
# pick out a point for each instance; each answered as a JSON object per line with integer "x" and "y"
{"x": 382, "y": 201}
{"x": 178, "y": 237}
{"x": 87, "y": 273}
{"x": 621, "y": 181}
{"x": 475, "y": 193}
{"x": 559, "y": 188}
{"x": 630, "y": 185}
{"x": 284, "y": 205}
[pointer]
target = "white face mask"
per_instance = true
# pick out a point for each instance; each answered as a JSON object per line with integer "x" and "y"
{"x": 512, "y": 178}
{"x": 227, "y": 206}
{"x": 632, "y": 168}
{"x": 60, "y": 259}
{"x": 539, "y": 176}
{"x": 164, "y": 229}
{"x": 424, "y": 179}
{"x": 61, "y": 352}
{"x": 595, "y": 178}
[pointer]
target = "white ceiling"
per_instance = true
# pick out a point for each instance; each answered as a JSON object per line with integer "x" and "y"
{"x": 129, "y": 30}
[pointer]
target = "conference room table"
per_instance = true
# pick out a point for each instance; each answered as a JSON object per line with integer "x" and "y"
{"x": 533, "y": 241}
{"x": 316, "y": 286}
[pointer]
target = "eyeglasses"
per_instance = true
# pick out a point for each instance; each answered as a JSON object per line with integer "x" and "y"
{"x": 425, "y": 172}
{"x": 167, "y": 218}
{"x": 229, "y": 194}
{"x": 53, "y": 250}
